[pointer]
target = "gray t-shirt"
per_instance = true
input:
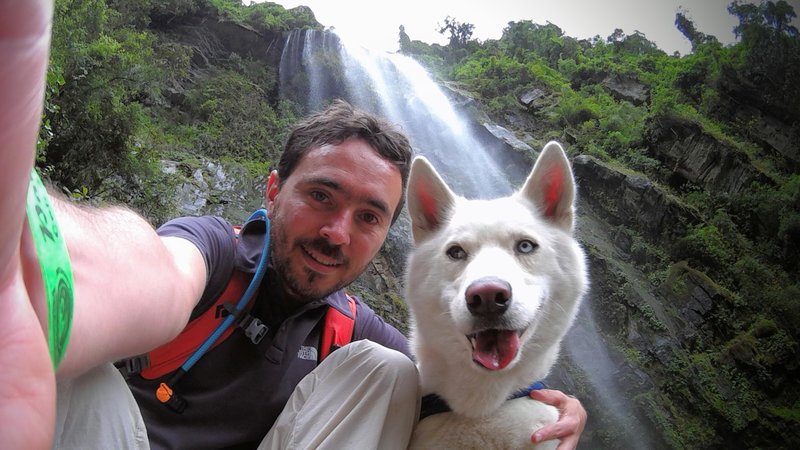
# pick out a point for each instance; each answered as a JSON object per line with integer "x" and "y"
{"x": 237, "y": 390}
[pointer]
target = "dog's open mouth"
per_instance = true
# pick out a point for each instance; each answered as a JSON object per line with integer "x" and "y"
{"x": 494, "y": 349}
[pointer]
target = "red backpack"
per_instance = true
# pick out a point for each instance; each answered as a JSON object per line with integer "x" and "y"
{"x": 180, "y": 354}
{"x": 337, "y": 332}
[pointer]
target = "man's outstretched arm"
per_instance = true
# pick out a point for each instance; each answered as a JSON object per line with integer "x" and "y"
{"x": 133, "y": 290}
{"x": 27, "y": 383}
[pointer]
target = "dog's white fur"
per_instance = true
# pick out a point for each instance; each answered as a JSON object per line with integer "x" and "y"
{"x": 547, "y": 281}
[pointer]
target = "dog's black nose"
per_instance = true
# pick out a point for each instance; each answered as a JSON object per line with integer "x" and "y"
{"x": 488, "y": 297}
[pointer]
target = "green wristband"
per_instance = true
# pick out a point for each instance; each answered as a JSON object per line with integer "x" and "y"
{"x": 54, "y": 263}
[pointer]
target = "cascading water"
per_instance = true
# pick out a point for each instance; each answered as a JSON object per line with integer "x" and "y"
{"x": 317, "y": 67}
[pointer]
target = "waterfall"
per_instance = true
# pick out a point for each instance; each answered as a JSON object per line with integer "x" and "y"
{"x": 399, "y": 89}
{"x": 317, "y": 67}
{"x": 587, "y": 348}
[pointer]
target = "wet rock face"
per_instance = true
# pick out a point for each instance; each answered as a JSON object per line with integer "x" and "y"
{"x": 776, "y": 136}
{"x": 631, "y": 200}
{"x": 215, "y": 39}
{"x": 509, "y": 138}
{"x": 698, "y": 158}
{"x": 694, "y": 298}
{"x": 533, "y": 98}
{"x": 215, "y": 188}
{"x": 626, "y": 88}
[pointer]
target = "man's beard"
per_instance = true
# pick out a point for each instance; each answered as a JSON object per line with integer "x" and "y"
{"x": 301, "y": 285}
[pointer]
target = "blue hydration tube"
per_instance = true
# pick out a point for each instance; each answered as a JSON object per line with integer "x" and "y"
{"x": 248, "y": 294}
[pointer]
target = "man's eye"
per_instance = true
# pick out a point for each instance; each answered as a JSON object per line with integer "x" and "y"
{"x": 319, "y": 196}
{"x": 369, "y": 218}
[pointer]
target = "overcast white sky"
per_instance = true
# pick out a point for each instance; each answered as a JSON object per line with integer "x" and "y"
{"x": 375, "y": 24}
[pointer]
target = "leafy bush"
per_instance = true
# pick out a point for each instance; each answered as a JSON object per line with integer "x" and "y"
{"x": 234, "y": 117}
{"x": 120, "y": 99}
{"x": 266, "y": 15}
{"x": 704, "y": 246}
{"x": 101, "y": 85}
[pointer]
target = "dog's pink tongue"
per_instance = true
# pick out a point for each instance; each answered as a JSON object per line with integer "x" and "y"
{"x": 494, "y": 349}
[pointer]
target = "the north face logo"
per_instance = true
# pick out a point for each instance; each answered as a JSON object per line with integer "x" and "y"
{"x": 307, "y": 353}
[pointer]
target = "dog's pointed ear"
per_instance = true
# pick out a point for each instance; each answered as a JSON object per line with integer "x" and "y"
{"x": 429, "y": 199}
{"x": 551, "y": 187}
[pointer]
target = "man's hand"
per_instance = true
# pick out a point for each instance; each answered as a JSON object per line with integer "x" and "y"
{"x": 27, "y": 382}
{"x": 571, "y": 419}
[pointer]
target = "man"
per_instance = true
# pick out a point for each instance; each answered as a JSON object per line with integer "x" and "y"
{"x": 330, "y": 213}
{"x": 330, "y": 204}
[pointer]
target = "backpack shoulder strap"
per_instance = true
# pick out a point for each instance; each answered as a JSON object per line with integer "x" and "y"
{"x": 338, "y": 328}
{"x": 170, "y": 356}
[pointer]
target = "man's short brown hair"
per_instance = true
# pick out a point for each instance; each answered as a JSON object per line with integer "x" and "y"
{"x": 339, "y": 122}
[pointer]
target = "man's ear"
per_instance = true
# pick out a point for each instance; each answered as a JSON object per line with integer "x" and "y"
{"x": 273, "y": 187}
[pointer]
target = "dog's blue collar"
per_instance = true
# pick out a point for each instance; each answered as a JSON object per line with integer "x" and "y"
{"x": 537, "y": 385}
{"x": 433, "y": 404}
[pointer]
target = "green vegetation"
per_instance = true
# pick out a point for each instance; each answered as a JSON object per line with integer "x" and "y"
{"x": 121, "y": 97}
{"x": 265, "y": 16}
{"x": 734, "y": 376}
{"x": 134, "y": 83}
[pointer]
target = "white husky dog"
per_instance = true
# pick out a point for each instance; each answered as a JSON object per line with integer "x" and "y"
{"x": 492, "y": 287}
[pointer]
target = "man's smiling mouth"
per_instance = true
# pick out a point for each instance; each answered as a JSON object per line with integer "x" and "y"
{"x": 320, "y": 257}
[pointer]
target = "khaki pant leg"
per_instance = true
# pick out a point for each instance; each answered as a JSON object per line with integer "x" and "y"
{"x": 98, "y": 411}
{"x": 362, "y": 396}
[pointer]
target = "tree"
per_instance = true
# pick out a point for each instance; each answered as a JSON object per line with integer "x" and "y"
{"x": 779, "y": 15}
{"x": 770, "y": 55}
{"x": 768, "y": 15}
{"x": 105, "y": 74}
{"x": 686, "y": 26}
{"x": 460, "y": 33}
{"x": 404, "y": 40}
{"x": 547, "y": 41}
{"x": 637, "y": 43}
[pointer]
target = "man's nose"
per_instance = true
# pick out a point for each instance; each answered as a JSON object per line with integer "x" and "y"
{"x": 337, "y": 229}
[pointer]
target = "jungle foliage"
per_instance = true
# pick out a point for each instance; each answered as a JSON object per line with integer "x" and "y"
{"x": 738, "y": 380}
{"x": 122, "y": 96}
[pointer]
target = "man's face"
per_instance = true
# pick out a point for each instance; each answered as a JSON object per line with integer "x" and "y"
{"x": 330, "y": 217}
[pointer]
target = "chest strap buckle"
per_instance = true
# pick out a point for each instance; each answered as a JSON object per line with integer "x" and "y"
{"x": 253, "y": 327}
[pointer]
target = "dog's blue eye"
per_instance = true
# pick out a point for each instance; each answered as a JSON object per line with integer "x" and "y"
{"x": 526, "y": 246}
{"x": 456, "y": 252}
